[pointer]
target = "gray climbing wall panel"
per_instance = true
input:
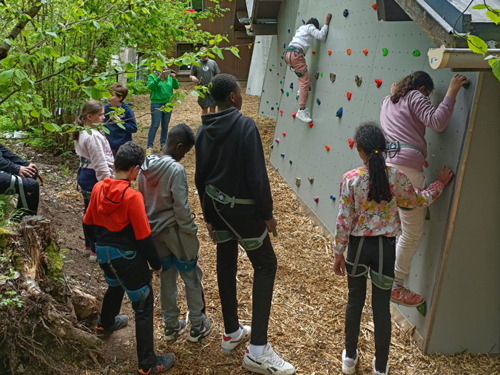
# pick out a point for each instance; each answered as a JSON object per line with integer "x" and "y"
{"x": 302, "y": 152}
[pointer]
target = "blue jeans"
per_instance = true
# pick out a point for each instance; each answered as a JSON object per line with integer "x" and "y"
{"x": 158, "y": 116}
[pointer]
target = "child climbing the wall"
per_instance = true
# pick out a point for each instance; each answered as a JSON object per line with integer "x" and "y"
{"x": 295, "y": 58}
{"x": 405, "y": 115}
{"x": 118, "y": 135}
{"x": 233, "y": 186}
{"x": 96, "y": 158}
{"x": 367, "y": 226}
{"x": 116, "y": 221}
{"x": 163, "y": 183}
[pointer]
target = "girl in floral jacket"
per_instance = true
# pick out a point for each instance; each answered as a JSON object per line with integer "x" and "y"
{"x": 367, "y": 224}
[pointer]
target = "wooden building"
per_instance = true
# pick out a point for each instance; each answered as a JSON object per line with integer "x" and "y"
{"x": 229, "y": 27}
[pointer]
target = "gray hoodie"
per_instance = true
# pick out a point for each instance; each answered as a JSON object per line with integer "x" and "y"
{"x": 163, "y": 183}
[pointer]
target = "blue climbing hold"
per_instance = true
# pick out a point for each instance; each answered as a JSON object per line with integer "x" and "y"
{"x": 270, "y": 70}
{"x": 346, "y": 12}
{"x": 282, "y": 57}
{"x": 340, "y": 112}
{"x": 333, "y": 197}
{"x": 318, "y": 101}
{"x": 291, "y": 85}
{"x": 282, "y": 155}
{"x": 288, "y": 31}
{"x": 282, "y": 91}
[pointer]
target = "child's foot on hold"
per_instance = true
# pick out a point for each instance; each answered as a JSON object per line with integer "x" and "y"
{"x": 304, "y": 115}
{"x": 120, "y": 322}
{"x": 197, "y": 333}
{"x": 378, "y": 372}
{"x": 229, "y": 343}
{"x": 405, "y": 297}
{"x": 87, "y": 251}
{"x": 268, "y": 363}
{"x": 173, "y": 333}
{"x": 93, "y": 257}
{"x": 149, "y": 151}
{"x": 163, "y": 363}
{"x": 349, "y": 364}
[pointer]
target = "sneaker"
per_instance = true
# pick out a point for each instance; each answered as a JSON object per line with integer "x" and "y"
{"x": 93, "y": 257}
{"x": 304, "y": 115}
{"x": 120, "y": 322}
{"x": 405, "y": 297}
{"x": 228, "y": 344}
{"x": 173, "y": 333}
{"x": 375, "y": 372}
{"x": 87, "y": 251}
{"x": 149, "y": 151}
{"x": 268, "y": 363}
{"x": 349, "y": 364}
{"x": 163, "y": 363}
{"x": 196, "y": 334}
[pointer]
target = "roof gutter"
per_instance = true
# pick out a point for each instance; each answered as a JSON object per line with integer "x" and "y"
{"x": 458, "y": 58}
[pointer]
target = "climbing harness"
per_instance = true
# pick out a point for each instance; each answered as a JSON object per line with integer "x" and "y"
{"x": 393, "y": 147}
{"x": 84, "y": 164}
{"x": 12, "y": 189}
{"x": 222, "y": 236}
{"x": 288, "y": 51}
{"x": 378, "y": 279}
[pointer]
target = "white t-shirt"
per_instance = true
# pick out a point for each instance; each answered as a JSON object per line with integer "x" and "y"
{"x": 305, "y": 34}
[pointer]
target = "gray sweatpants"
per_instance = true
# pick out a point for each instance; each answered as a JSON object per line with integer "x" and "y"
{"x": 184, "y": 247}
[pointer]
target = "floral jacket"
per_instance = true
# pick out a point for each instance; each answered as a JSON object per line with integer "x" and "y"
{"x": 363, "y": 218}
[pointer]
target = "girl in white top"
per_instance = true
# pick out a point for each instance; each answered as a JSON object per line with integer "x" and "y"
{"x": 96, "y": 158}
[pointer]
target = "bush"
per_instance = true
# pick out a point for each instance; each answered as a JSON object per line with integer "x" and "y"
{"x": 137, "y": 88}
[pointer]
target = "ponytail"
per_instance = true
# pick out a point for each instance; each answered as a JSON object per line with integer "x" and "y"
{"x": 370, "y": 138}
{"x": 91, "y": 107}
{"x": 412, "y": 82}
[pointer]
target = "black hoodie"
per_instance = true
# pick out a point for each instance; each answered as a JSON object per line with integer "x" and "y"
{"x": 229, "y": 156}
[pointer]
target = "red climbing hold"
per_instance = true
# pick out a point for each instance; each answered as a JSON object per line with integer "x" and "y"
{"x": 349, "y": 51}
{"x": 426, "y": 165}
{"x": 327, "y": 147}
{"x": 378, "y": 82}
{"x": 284, "y": 134}
{"x": 313, "y": 52}
{"x": 365, "y": 51}
{"x": 294, "y": 114}
{"x": 351, "y": 143}
{"x": 311, "y": 124}
{"x": 279, "y": 50}
{"x": 349, "y": 95}
{"x": 281, "y": 112}
{"x": 374, "y": 6}
{"x": 329, "y": 52}
{"x": 316, "y": 199}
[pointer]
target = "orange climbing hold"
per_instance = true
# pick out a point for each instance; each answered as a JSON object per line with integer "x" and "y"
{"x": 311, "y": 124}
{"x": 378, "y": 82}
{"x": 349, "y": 51}
{"x": 349, "y": 95}
{"x": 374, "y": 6}
{"x": 294, "y": 114}
{"x": 365, "y": 51}
{"x": 313, "y": 52}
{"x": 351, "y": 143}
{"x": 284, "y": 134}
{"x": 279, "y": 50}
{"x": 327, "y": 147}
{"x": 426, "y": 165}
{"x": 329, "y": 52}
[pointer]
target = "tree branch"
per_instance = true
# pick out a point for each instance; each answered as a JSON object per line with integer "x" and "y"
{"x": 32, "y": 12}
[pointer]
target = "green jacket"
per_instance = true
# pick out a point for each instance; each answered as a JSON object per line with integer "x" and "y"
{"x": 161, "y": 91}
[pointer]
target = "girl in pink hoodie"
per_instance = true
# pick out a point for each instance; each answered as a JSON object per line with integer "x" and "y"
{"x": 405, "y": 115}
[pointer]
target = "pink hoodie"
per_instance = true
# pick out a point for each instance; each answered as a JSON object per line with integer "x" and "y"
{"x": 406, "y": 121}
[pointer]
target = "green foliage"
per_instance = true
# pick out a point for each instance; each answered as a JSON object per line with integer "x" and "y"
{"x": 6, "y": 208}
{"x": 137, "y": 88}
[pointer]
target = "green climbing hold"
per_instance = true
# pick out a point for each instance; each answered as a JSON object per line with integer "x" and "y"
{"x": 416, "y": 53}
{"x": 281, "y": 82}
{"x": 262, "y": 90}
{"x": 287, "y": 93}
{"x": 297, "y": 97}
{"x": 321, "y": 74}
{"x": 385, "y": 51}
{"x": 267, "y": 102}
{"x": 262, "y": 112}
{"x": 273, "y": 65}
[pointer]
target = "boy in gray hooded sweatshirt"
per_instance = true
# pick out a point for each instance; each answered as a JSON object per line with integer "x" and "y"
{"x": 163, "y": 183}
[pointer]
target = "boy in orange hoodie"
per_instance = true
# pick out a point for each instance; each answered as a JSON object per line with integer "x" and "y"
{"x": 116, "y": 221}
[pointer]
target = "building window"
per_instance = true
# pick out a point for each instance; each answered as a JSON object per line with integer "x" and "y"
{"x": 181, "y": 50}
{"x": 198, "y": 5}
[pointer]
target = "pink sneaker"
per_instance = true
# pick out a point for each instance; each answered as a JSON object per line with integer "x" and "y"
{"x": 87, "y": 251}
{"x": 405, "y": 297}
{"x": 93, "y": 257}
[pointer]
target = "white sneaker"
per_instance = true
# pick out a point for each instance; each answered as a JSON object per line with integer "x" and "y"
{"x": 304, "y": 115}
{"x": 375, "y": 372}
{"x": 228, "y": 344}
{"x": 268, "y": 363}
{"x": 349, "y": 364}
{"x": 149, "y": 151}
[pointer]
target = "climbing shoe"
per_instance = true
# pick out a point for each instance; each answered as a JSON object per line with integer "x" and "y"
{"x": 197, "y": 333}
{"x": 120, "y": 322}
{"x": 229, "y": 344}
{"x": 405, "y": 297}
{"x": 304, "y": 115}
{"x": 173, "y": 333}
{"x": 163, "y": 363}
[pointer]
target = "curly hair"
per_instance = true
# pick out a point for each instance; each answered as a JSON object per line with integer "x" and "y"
{"x": 412, "y": 82}
{"x": 181, "y": 133}
{"x": 129, "y": 155}
{"x": 221, "y": 86}
{"x": 370, "y": 138}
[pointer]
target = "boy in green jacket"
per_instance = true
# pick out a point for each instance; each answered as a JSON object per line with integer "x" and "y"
{"x": 162, "y": 85}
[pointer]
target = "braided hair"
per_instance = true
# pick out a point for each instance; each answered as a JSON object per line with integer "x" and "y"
{"x": 370, "y": 138}
{"x": 412, "y": 82}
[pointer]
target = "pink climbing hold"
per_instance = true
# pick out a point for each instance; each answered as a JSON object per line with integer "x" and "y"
{"x": 349, "y": 95}
{"x": 294, "y": 114}
{"x": 284, "y": 134}
{"x": 277, "y": 140}
{"x": 378, "y": 82}
{"x": 351, "y": 143}
{"x": 316, "y": 199}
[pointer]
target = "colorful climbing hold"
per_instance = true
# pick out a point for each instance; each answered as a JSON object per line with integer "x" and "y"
{"x": 321, "y": 74}
{"x": 346, "y": 12}
{"x": 263, "y": 90}
{"x": 284, "y": 45}
{"x": 374, "y": 6}
{"x": 327, "y": 147}
{"x": 318, "y": 101}
{"x": 311, "y": 124}
{"x": 303, "y": 22}
{"x": 297, "y": 181}
{"x": 294, "y": 114}
{"x": 349, "y": 95}
{"x": 267, "y": 102}
{"x": 278, "y": 73}
{"x": 288, "y": 31}
{"x": 329, "y": 52}
{"x": 279, "y": 50}
{"x": 291, "y": 85}
{"x": 282, "y": 155}
{"x": 270, "y": 70}
{"x": 277, "y": 140}
{"x": 426, "y": 165}
{"x": 272, "y": 146}
{"x": 281, "y": 112}
{"x": 349, "y": 51}
{"x": 365, "y": 51}
{"x": 416, "y": 53}
{"x": 351, "y": 143}
{"x": 282, "y": 91}
{"x": 358, "y": 80}
{"x": 316, "y": 199}
{"x": 287, "y": 93}
{"x": 378, "y": 82}
{"x": 340, "y": 112}
{"x": 311, "y": 179}
{"x": 313, "y": 52}
{"x": 284, "y": 134}
{"x": 385, "y": 51}
{"x": 333, "y": 77}
{"x": 281, "y": 82}
{"x": 290, "y": 162}
{"x": 272, "y": 108}
{"x": 333, "y": 197}
{"x": 315, "y": 76}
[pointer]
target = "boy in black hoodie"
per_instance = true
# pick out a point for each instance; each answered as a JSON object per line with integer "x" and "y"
{"x": 235, "y": 194}
{"x": 116, "y": 221}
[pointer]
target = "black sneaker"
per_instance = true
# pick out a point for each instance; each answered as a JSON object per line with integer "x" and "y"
{"x": 197, "y": 333}
{"x": 163, "y": 363}
{"x": 173, "y": 333}
{"x": 120, "y": 322}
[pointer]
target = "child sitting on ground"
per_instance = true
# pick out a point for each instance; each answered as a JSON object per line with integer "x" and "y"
{"x": 367, "y": 225}
{"x": 117, "y": 135}
{"x": 163, "y": 183}
{"x": 116, "y": 220}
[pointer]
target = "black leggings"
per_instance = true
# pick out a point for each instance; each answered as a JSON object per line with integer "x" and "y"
{"x": 380, "y": 298}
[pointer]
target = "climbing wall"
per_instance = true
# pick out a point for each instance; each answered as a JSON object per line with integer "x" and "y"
{"x": 313, "y": 157}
